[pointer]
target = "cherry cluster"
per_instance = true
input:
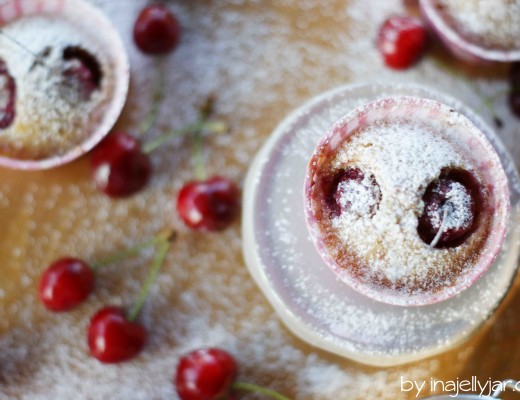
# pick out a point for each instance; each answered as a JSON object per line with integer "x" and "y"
{"x": 121, "y": 167}
{"x": 113, "y": 334}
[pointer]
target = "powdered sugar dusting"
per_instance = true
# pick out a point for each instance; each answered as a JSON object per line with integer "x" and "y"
{"x": 359, "y": 198}
{"x": 50, "y": 117}
{"x": 405, "y": 157}
{"x": 491, "y": 23}
{"x": 457, "y": 209}
{"x": 262, "y": 59}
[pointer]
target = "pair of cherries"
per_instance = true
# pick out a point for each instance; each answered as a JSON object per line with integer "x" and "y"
{"x": 121, "y": 168}
{"x": 454, "y": 191}
{"x": 112, "y": 337}
{"x": 113, "y": 334}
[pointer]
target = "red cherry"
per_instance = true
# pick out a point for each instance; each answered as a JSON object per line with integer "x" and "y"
{"x": 205, "y": 374}
{"x": 401, "y": 40}
{"x": 82, "y": 71}
{"x": 65, "y": 284}
{"x": 514, "y": 76}
{"x": 514, "y": 103}
{"x": 454, "y": 194}
{"x": 112, "y": 338}
{"x": 7, "y": 96}
{"x": 348, "y": 183}
{"x": 156, "y": 30}
{"x": 210, "y": 205}
{"x": 119, "y": 167}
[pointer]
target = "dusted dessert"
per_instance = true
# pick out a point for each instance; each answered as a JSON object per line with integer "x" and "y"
{"x": 477, "y": 29}
{"x": 54, "y": 97}
{"x": 63, "y": 81}
{"x": 407, "y": 201}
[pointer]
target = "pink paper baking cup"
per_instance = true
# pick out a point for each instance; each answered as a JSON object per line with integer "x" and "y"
{"x": 472, "y": 142}
{"x": 458, "y": 44}
{"x": 101, "y": 29}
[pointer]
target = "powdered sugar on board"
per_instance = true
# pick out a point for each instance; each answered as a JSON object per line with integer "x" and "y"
{"x": 262, "y": 59}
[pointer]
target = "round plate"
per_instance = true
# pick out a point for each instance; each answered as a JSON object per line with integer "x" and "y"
{"x": 313, "y": 303}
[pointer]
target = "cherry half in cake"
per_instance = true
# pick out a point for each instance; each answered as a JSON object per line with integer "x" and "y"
{"x": 82, "y": 72}
{"x": 7, "y": 96}
{"x": 406, "y": 201}
{"x": 57, "y": 86}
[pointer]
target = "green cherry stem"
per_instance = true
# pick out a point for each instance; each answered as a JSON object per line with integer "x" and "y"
{"x": 158, "y": 96}
{"x": 198, "y": 156}
{"x": 129, "y": 252}
{"x": 157, "y": 263}
{"x": 250, "y": 387}
{"x": 202, "y": 126}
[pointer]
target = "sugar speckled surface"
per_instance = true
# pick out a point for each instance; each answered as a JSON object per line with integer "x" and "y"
{"x": 262, "y": 59}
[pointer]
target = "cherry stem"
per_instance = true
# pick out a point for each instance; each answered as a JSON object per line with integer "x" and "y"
{"x": 198, "y": 156}
{"x": 210, "y": 126}
{"x": 37, "y": 57}
{"x": 157, "y": 263}
{"x": 249, "y": 387}
{"x": 132, "y": 251}
{"x": 158, "y": 96}
{"x": 441, "y": 228}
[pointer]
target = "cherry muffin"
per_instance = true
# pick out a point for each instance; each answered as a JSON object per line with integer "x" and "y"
{"x": 407, "y": 201}
{"x": 477, "y": 30}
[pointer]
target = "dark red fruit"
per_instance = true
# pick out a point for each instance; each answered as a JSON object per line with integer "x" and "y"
{"x": 349, "y": 186}
{"x": 514, "y": 77}
{"x": 210, "y": 205}
{"x": 156, "y": 30}
{"x": 455, "y": 194}
{"x": 82, "y": 71}
{"x": 119, "y": 167}
{"x": 514, "y": 103}
{"x": 205, "y": 374}
{"x": 401, "y": 41}
{"x": 112, "y": 338}
{"x": 65, "y": 284}
{"x": 7, "y": 96}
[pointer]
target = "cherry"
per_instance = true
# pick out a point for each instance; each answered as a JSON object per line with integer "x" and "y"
{"x": 112, "y": 338}
{"x": 401, "y": 41}
{"x": 205, "y": 374}
{"x": 514, "y": 76}
{"x": 208, "y": 205}
{"x": 355, "y": 193}
{"x": 65, "y": 284}
{"x": 119, "y": 167}
{"x": 514, "y": 102}
{"x": 7, "y": 96}
{"x": 452, "y": 203}
{"x": 514, "y": 94}
{"x": 156, "y": 30}
{"x": 82, "y": 71}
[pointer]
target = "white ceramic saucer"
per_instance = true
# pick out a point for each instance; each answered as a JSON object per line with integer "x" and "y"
{"x": 313, "y": 303}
